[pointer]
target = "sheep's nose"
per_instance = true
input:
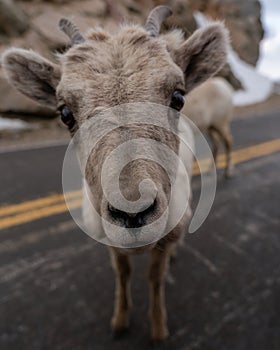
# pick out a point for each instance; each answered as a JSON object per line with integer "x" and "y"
{"x": 131, "y": 220}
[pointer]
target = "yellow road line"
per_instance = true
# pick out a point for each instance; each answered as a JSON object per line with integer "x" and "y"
{"x": 36, "y": 203}
{"x": 241, "y": 155}
{"x": 39, "y": 208}
{"x": 38, "y": 214}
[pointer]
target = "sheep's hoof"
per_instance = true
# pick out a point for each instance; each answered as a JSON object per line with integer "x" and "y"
{"x": 119, "y": 333}
{"x": 120, "y": 324}
{"x": 159, "y": 335}
{"x": 229, "y": 172}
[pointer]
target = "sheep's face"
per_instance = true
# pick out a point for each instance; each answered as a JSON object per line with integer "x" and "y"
{"x": 109, "y": 70}
{"x": 114, "y": 70}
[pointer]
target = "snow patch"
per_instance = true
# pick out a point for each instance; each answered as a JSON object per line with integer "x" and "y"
{"x": 13, "y": 124}
{"x": 257, "y": 88}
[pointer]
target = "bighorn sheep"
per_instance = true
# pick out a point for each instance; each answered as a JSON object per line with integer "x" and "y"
{"x": 210, "y": 107}
{"x": 102, "y": 70}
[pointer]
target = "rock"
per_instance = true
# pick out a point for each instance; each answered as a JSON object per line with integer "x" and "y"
{"x": 182, "y": 15}
{"x": 13, "y": 21}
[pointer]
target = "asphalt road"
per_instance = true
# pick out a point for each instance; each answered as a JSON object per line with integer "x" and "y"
{"x": 56, "y": 284}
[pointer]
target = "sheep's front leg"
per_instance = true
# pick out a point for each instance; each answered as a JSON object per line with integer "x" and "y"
{"x": 121, "y": 265}
{"x": 157, "y": 270}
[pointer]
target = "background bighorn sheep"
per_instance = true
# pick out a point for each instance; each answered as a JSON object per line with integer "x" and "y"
{"x": 210, "y": 107}
{"x": 102, "y": 70}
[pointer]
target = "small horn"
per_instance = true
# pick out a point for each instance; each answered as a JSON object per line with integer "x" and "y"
{"x": 71, "y": 31}
{"x": 155, "y": 19}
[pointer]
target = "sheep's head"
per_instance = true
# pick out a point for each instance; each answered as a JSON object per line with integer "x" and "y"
{"x": 103, "y": 70}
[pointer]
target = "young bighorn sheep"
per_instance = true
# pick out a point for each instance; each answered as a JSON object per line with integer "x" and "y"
{"x": 102, "y": 70}
{"x": 210, "y": 107}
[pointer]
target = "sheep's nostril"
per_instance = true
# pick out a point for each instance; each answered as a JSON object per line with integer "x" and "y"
{"x": 142, "y": 217}
{"x": 131, "y": 220}
{"x": 116, "y": 213}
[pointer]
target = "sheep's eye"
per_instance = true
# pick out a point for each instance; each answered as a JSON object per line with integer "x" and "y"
{"x": 177, "y": 100}
{"x": 67, "y": 116}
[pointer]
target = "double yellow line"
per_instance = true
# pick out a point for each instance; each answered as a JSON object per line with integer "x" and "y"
{"x": 17, "y": 214}
{"x": 22, "y": 213}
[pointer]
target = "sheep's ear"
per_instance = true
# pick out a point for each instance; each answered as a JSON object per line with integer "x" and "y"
{"x": 32, "y": 75}
{"x": 203, "y": 54}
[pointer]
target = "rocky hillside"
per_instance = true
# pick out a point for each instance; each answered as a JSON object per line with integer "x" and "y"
{"x": 33, "y": 24}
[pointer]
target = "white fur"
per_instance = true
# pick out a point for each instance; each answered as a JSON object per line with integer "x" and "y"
{"x": 210, "y": 104}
